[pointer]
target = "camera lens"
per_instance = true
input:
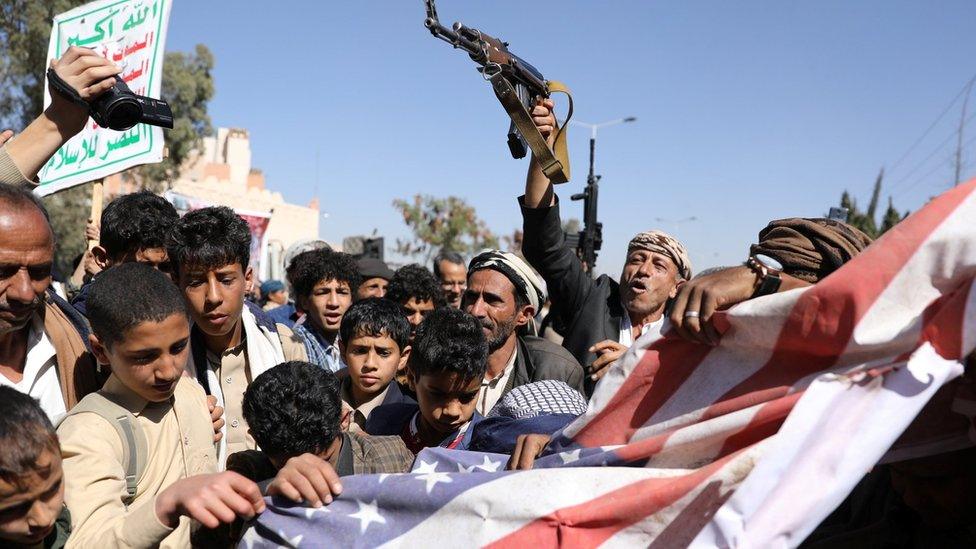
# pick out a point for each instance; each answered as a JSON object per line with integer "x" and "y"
{"x": 123, "y": 113}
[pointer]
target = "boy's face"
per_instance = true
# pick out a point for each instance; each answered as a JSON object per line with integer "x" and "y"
{"x": 29, "y": 509}
{"x": 215, "y": 296}
{"x": 157, "y": 258}
{"x": 330, "y": 299}
{"x": 150, "y": 358}
{"x": 372, "y": 362}
{"x": 446, "y": 400}
{"x": 416, "y": 311}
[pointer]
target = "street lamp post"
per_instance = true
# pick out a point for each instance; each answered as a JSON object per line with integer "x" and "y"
{"x": 591, "y": 237}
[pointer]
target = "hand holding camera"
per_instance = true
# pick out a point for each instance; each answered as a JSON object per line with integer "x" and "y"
{"x": 88, "y": 75}
{"x": 110, "y": 102}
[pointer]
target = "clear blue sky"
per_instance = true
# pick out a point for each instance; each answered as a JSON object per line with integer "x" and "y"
{"x": 747, "y": 111}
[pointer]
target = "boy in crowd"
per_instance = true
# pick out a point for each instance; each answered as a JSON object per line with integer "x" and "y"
{"x": 274, "y": 294}
{"x": 374, "y": 346}
{"x": 447, "y": 364}
{"x": 296, "y": 416}
{"x": 324, "y": 281}
{"x": 231, "y": 343}
{"x": 140, "y": 329}
{"x": 32, "y": 513}
{"x": 417, "y": 292}
{"x": 376, "y": 277}
{"x": 133, "y": 227}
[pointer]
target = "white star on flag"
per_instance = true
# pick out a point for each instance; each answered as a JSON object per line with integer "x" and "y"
{"x": 310, "y": 512}
{"x": 427, "y": 474}
{"x": 569, "y": 457}
{"x": 489, "y": 466}
{"x": 463, "y": 469}
{"x": 368, "y": 513}
{"x": 425, "y": 468}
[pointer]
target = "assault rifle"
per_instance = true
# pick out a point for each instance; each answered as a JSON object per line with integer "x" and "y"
{"x": 518, "y": 86}
{"x": 590, "y": 238}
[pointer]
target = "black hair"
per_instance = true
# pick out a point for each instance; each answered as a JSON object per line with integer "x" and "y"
{"x": 25, "y": 433}
{"x": 293, "y": 409}
{"x": 127, "y": 295}
{"x": 450, "y": 257}
{"x": 311, "y": 267}
{"x": 373, "y": 317}
{"x": 417, "y": 282}
{"x": 136, "y": 222}
{"x": 210, "y": 237}
{"x": 452, "y": 341}
{"x": 16, "y": 195}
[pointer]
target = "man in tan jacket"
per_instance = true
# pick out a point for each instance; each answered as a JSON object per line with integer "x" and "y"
{"x": 42, "y": 345}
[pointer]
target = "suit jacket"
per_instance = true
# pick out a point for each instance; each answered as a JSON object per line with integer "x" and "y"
{"x": 68, "y": 332}
{"x": 537, "y": 359}
{"x": 589, "y": 309}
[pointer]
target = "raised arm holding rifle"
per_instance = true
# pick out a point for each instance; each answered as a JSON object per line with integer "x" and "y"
{"x": 602, "y": 316}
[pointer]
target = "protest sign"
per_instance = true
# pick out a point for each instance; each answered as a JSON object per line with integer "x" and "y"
{"x": 132, "y": 34}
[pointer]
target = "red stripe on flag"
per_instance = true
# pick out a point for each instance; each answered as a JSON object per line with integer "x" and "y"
{"x": 643, "y": 392}
{"x": 591, "y": 523}
{"x": 821, "y": 323}
{"x": 944, "y": 323}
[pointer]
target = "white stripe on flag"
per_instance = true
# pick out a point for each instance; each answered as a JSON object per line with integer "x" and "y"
{"x": 480, "y": 515}
{"x": 824, "y": 448}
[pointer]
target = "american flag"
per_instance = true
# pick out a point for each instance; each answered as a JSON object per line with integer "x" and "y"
{"x": 749, "y": 443}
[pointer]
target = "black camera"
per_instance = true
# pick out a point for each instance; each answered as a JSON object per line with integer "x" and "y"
{"x": 118, "y": 108}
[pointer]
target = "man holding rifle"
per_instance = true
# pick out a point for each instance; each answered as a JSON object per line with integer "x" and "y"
{"x": 603, "y": 317}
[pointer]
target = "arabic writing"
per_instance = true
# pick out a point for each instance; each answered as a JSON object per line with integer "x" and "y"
{"x": 131, "y": 34}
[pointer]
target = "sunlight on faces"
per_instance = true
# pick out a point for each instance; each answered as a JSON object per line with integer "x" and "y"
{"x": 372, "y": 287}
{"x": 30, "y": 506}
{"x": 490, "y": 297}
{"x": 151, "y": 357}
{"x": 453, "y": 280}
{"x": 330, "y": 300}
{"x": 446, "y": 400}
{"x": 648, "y": 280}
{"x": 26, "y": 256}
{"x": 215, "y": 297}
{"x": 373, "y": 361}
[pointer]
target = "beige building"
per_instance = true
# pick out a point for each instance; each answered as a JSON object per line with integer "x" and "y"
{"x": 221, "y": 174}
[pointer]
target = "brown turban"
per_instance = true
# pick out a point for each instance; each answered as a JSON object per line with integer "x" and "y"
{"x": 810, "y": 249}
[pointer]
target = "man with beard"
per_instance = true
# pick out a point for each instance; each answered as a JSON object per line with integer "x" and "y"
{"x": 504, "y": 294}
{"x": 602, "y": 316}
{"x": 42, "y": 338}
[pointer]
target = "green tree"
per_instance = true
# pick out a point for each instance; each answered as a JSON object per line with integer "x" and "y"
{"x": 442, "y": 224}
{"x": 187, "y": 87}
{"x": 865, "y": 221}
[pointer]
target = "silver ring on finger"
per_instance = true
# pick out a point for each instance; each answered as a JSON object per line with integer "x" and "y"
{"x": 692, "y": 314}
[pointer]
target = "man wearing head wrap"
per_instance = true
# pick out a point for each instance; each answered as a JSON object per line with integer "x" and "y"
{"x": 504, "y": 294}
{"x": 376, "y": 278}
{"x": 602, "y": 317}
{"x": 274, "y": 294}
{"x": 791, "y": 253}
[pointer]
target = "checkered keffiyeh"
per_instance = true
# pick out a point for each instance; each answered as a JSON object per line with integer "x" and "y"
{"x": 542, "y": 397}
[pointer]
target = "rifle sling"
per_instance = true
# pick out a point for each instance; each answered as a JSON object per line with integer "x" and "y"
{"x": 555, "y": 161}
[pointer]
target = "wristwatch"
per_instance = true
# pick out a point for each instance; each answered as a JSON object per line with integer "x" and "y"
{"x": 767, "y": 271}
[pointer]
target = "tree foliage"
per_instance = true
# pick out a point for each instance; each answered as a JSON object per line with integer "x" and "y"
{"x": 187, "y": 87}
{"x": 25, "y": 28}
{"x": 448, "y": 224}
{"x": 866, "y": 220}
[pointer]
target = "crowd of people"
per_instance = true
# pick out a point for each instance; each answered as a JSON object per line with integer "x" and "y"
{"x": 161, "y": 403}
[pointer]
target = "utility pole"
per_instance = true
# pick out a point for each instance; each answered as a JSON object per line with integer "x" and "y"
{"x": 962, "y": 126}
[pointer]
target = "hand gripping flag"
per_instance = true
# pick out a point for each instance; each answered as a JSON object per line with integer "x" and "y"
{"x": 751, "y": 443}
